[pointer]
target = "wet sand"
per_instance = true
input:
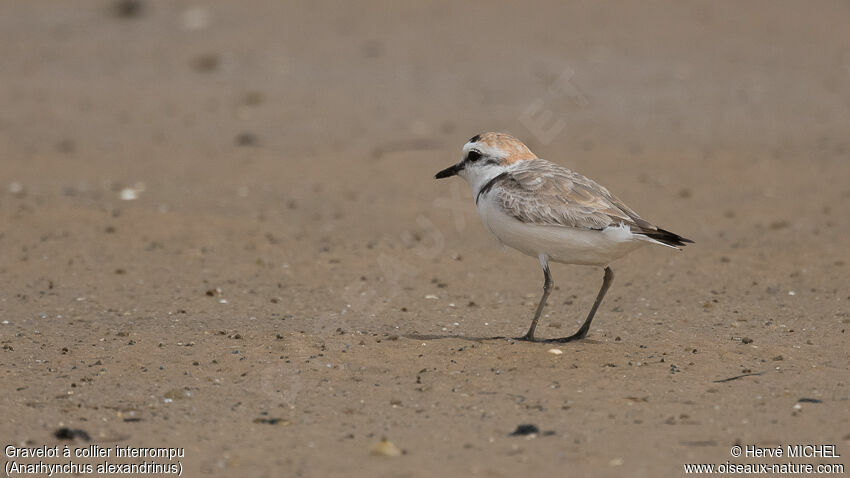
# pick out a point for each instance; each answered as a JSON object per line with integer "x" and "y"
{"x": 221, "y": 232}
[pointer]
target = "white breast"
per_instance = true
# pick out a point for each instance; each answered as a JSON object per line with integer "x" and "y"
{"x": 567, "y": 245}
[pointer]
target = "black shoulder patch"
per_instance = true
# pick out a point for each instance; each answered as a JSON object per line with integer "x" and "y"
{"x": 474, "y": 139}
{"x": 489, "y": 185}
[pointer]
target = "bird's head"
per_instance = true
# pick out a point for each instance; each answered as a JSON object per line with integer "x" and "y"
{"x": 485, "y": 156}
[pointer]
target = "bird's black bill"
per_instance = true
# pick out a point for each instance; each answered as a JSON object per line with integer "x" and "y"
{"x": 448, "y": 172}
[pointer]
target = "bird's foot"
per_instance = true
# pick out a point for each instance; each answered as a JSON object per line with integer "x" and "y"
{"x": 526, "y": 338}
{"x": 563, "y": 340}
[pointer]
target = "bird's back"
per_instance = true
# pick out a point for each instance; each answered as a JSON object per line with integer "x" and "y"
{"x": 540, "y": 207}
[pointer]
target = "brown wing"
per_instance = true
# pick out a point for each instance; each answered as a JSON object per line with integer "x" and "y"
{"x": 540, "y": 192}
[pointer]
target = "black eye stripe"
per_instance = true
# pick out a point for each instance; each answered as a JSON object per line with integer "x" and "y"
{"x": 473, "y": 156}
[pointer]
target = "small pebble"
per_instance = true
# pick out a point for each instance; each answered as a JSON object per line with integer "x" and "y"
{"x": 195, "y": 18}
{"x": 16, "y": 188}
{"x": 246, "y": 139}
{"x": 525, "y": 429}
{"x": 128, "y": 8}
{"x": 177, "y": 394}
{"x": 272, "y": 421}
{"x": 129, "y": 194}
{"x": 385, "y": 448}
{"x": 207, "y": 63}
{"x": 66, "y": 433}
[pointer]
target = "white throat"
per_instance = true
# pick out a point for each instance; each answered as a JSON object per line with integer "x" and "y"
{"x": 478, "y": 176}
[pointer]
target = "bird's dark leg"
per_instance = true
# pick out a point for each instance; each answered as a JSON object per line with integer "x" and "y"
{"x": 547, "y": 287}
{"x": 582, "y": 332}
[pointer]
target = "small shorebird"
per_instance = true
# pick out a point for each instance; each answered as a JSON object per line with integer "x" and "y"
{"x": 551, "y": 213}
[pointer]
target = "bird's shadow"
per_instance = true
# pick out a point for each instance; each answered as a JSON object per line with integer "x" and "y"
{"x": 459, "y": 337}
{"x": 488, "y": 339}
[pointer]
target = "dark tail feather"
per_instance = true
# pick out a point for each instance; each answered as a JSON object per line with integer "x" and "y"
{"x": 667, "y": 237}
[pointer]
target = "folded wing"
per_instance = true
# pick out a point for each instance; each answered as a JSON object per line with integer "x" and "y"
{"x": 540, "y": 192}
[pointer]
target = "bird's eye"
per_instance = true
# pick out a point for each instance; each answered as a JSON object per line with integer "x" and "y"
{"x": 473, "y": 156}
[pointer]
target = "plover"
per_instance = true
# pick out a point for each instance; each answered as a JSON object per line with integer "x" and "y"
{"x": 549, "y": 212}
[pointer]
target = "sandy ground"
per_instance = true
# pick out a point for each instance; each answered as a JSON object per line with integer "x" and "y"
{"x": 290, "y": 284}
